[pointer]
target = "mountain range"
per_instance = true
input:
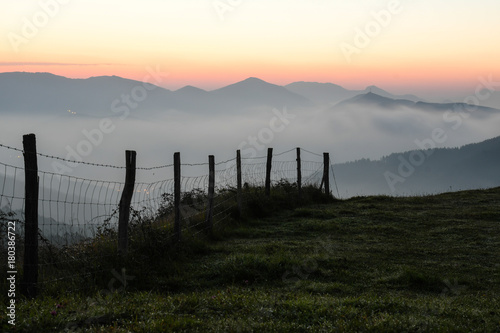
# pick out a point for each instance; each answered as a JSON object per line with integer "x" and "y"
{"x": 370, "y": 99}
{"x": 27, "y": 93}
{"x": 331, "y": 94}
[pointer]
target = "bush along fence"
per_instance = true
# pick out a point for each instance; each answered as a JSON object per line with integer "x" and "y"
{"x": 72, "y": 228}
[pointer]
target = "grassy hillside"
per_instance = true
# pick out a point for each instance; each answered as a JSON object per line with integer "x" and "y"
{"x": 468, "y": 167}
{"x": 380, "y": 264}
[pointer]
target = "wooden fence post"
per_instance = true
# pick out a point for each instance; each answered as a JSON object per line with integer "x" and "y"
{"x": 211, "y": 191}
{"x": 326, "y": 173}
{"x": 239, "y": 185}
{"x": 177, "y": 197}
{"x": 126, "y": 199}
{"x": 30, "y": 274}
{"x": 268, "y": 170}
{"x": 299, "y": 174}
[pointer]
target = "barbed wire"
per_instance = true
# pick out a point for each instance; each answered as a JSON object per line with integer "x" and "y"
{"x": 149, "y": 168}
{"x": 253, "y": 158}
{"x": 194, "y": 164}
{"x": 310, "y": 152}
{"x": 285, "y": 152}
{"x": 156, "y": 168}
{"x": 82, "y": 162}
{"x": 227, "y": 161}
{"x": 88, "y": 163}
{"x": 74, "y": 210}
{"x": 11, "y": 148}
{"x": 279, "y": 154}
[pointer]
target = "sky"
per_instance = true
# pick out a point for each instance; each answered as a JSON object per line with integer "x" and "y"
{"x": 431, "y": 48}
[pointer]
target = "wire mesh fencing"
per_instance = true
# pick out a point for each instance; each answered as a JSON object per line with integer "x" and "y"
{"x": 78, "y": 218}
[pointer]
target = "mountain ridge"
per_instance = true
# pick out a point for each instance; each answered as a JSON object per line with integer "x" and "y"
{"x": 371, "y": 99}
{"x": 54, "y": 94}
{"x": 470, "y": 166}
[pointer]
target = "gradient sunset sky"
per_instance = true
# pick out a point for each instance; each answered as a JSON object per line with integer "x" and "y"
{"x": 427, "y": 47}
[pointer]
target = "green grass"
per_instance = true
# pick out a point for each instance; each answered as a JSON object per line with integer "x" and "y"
{"x": 376, "y": 264}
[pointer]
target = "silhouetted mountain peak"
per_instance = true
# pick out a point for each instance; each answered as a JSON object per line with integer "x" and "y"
{"x": 253, "y": 90}
{"x": 368, "y": 98}
{"x": 383, "y": 93}
{"x": 190, "y": 89}
{"x": 378, "y": 91}
{"x": 31, "y": 76}
{"x": 110, "y": 79}
{"x": 254, "y": 80}
{"x": 373, "y": 88}
{"x": 250, "y": 83}
{"x": 47, "y": 74}
{"x": 373, "y": 99}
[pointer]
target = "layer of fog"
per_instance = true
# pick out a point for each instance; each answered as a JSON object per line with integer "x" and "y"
{"x": 347, "y": 134}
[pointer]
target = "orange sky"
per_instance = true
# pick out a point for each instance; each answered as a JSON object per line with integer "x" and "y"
{"x": 402, "y": 46}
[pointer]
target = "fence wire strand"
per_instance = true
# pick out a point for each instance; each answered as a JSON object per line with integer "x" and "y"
{"x": 76, "y": 214}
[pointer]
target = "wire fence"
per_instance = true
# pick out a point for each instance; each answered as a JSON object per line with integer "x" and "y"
{"x": 76, "y": 215}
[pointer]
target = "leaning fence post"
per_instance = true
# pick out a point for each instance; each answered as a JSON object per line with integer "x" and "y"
{"x": 177, "y": 197}
{"x": 238, "y": 181}
{"x": 326, "y": 173}
{"x": 268, "y": 170}
{"x": 126, "y": 199}
{"x": 299, "y": 174}
{"x": 211, "y": 190}
{"x": 30, "y": 275}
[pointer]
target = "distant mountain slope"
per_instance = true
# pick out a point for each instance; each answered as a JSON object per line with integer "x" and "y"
{"x": 321, "y": 93}
{"x": 419, "y": 172}
{"x": 46, "y": 93}
{"x": 52, "y": 94}
{"x": 381, "y": 92}
{"x": 330, "y": 94}
{"x": 370, "y": 100}
{"x": 196, "y": 100}
{"x": 253, "y": 90}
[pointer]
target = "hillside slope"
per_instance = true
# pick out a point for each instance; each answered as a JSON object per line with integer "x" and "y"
{"x": 365, "y": 264}
{"x": 472, "y": 166}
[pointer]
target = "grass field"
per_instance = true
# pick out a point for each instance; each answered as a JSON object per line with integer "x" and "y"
{"x": 376, "y": 264}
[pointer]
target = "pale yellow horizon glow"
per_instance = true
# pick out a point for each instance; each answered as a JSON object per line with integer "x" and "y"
{"x": 425, "y": 45}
